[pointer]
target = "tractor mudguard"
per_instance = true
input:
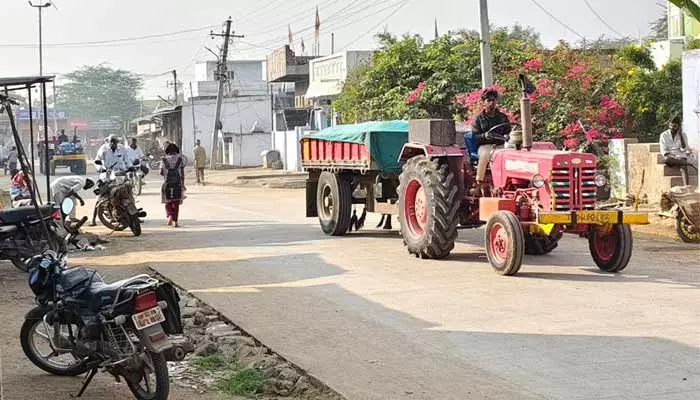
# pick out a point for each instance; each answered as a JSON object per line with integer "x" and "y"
{"x": 411, "y": 150}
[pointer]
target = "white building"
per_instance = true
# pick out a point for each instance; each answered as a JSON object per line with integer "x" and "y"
{"x": 246, "y": 113}
{"x": 245, "y": 77}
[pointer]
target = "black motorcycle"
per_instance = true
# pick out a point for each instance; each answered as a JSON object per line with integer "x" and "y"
{"x": 22, "y": 235}
{"x": 82, "y": 324}
{"x": 116, "y": 206}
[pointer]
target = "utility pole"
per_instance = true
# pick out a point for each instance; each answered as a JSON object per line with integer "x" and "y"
{"x": 486, "y": 68}
{"x": 175, "y": 84}
{"x": 221, "y": 72}
{"x": 332, "y": 43}
{"x": 194, "y": 124}
{"x": 55, "y": 116}
{"x": 40, "y": 8}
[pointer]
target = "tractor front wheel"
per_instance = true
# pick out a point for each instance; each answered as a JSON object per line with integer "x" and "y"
{"x": 611, "y": 246}
{"x": 428, "y": 206}
{"x": 334, "y": 203}
{"x": 505, "y": 243}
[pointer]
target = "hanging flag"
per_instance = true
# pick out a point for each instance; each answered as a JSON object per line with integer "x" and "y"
{"x": 303, "y": 46}
{"x": 317, "y": 25}
{"x": 289, "y": 35}
{"x": 436, "y": 30}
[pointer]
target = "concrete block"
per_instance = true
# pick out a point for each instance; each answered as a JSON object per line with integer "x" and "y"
{"x": 436, "y": 132}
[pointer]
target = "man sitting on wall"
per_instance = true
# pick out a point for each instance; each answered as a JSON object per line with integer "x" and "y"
{"x": 675, "y": 150}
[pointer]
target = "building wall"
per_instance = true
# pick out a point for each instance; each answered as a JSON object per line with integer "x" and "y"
{"x": 691, "y": 97}
{"x": 237, "y": 114}
{"x": 244, "y": 149}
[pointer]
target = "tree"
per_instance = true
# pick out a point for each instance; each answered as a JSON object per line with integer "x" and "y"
{"x": 429, "y": 75}
{"x": 100, "y": 92}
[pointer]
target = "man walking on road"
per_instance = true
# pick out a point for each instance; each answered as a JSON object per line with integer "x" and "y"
{"x": 200, "y": 160}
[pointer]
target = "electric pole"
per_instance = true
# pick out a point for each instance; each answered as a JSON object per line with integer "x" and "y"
{"x": 486, "y": 69}
{"x": 221, "y": 73}
{"x": 194, "y": 123}
{"x": 174, "y": 84}
{"x": 40, "y": 8}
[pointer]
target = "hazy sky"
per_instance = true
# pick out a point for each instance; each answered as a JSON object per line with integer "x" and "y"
{"x": 264, "y": 24}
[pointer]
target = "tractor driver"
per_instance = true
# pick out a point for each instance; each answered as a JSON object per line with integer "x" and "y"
{"x": 488, "y": 118}
{"x": 62, "y": 138}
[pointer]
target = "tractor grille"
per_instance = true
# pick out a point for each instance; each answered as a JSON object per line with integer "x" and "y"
{"x": 573, "y": 189}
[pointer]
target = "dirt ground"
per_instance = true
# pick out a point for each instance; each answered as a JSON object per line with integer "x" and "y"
{"x": 21, "y": 380}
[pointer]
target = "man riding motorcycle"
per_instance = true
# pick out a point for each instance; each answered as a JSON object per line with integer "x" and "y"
{"x": 111, "y": 156}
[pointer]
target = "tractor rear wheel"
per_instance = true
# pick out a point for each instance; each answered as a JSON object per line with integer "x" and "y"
{"x": 611, "y": 248}
{"x": 541, "y": 245}
{"x": 505, "y": 243}
{"x": 428, "y": 207}
{"x": 334, "y": 203}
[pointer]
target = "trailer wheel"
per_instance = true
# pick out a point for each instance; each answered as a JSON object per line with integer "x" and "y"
{"x": 505, "y": 243}
{"x": 611, "y": 248}
{"x": 334, "y": 203}
{"x": 541, "y": 245}
{"x": 428, "y": 206}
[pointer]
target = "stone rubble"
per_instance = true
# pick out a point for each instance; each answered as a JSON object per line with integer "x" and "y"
{"x": 210, "y": 335}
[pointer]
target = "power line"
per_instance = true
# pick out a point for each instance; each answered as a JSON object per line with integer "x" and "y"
{"x": 397, "y": 9}
{"x": 557, "y": 19}
{"x": 602, "y": 20}
{"x": 110, "y": 41}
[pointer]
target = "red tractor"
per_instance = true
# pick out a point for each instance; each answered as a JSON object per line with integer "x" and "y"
{"x": 533, "y": 192}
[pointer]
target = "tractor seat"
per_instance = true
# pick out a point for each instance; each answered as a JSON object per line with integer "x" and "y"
{"x": 472, "y": 147}
{"x": 16, "y": 215}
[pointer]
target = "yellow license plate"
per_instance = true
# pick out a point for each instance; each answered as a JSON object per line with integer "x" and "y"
{"x": 596, "y": 217}
{"x": 148, "y": 318}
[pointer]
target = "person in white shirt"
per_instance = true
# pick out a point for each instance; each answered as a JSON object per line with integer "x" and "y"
{"x": 69, "y": 186}
{"x": 674, "y": 148}
{"x": 135, "y": 153}
{"x": 112, "y": 155}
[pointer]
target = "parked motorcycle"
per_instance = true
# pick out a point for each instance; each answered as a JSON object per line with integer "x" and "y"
{"x": 116, "y": 206}
{"x": 22, "y": 235}
{"x": 683, "y": 204}
{"x": 153, "y": 162}
{"x": 82, "y": 324}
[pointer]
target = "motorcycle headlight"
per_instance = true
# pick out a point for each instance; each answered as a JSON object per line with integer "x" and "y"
{"x": 538, "y": 181}
{"x": 600, "y": 180}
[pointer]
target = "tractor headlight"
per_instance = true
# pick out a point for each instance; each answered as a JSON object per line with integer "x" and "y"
{"x": 600, "y": 180}
{"x": 538, "y": 181}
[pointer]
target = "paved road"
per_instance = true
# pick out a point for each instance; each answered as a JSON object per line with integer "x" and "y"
{"x": 374, "y": 323}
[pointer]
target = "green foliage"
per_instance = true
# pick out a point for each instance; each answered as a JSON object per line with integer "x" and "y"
{"x": 447, "y": 66}
{"x": 637, "y": 56}
{"x": 693, "y": 44}
{"x": 209, "y": 363}
{"x": 243, "y": 382}
{"x": 652, "y": 98}
{"x": 100, "y": 92}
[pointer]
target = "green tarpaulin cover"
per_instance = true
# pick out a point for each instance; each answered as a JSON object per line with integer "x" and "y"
{"x": 385, "y": 139}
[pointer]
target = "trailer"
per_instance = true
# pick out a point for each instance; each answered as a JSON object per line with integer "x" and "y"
{"x": 425, "y": 173}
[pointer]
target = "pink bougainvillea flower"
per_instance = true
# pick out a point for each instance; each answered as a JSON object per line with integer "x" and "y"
{"x": 544, "y": 87}
{"x": 586, "y": 82}
{"x": 575, "y": 71}
{"x": 533, "y": 65}
{"x": 544, "y": 105}
{"x": 592, "y": 135}
{"x": 415, "y": 93}
{"x": 570, "y": 143}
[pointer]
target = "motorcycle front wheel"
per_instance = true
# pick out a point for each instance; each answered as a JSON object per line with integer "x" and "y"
{"x": 55, "y": 243}
{"x": 34, "y": 338}
{"x": 135, "y": 226}
{"x": 152, "y": 381}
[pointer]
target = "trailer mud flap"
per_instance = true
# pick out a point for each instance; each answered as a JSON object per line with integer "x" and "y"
{"x": 311, "y": 189}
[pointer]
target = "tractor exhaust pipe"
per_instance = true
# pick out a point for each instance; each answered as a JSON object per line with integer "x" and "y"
{"x": 526, "y": 111}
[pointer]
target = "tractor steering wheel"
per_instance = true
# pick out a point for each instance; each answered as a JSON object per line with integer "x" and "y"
{"x": 490, "y": 134}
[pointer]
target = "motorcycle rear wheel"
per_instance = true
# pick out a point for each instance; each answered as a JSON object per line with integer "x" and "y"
{"x": 142, "y": 388}
{"x": 27, "y": 336}
{"x": 104, "y": 213}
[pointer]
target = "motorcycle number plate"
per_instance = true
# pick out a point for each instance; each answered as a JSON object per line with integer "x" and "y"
{"x": 148, "y": 318}
{"x": 596, "y": 217}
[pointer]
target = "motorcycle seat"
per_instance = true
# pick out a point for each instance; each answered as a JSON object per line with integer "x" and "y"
{"x": 105, "y": 293}
{"x": 16, "y": 215}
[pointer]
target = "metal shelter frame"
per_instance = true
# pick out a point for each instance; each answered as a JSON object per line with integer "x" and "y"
{"x": 27, "y": 83}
